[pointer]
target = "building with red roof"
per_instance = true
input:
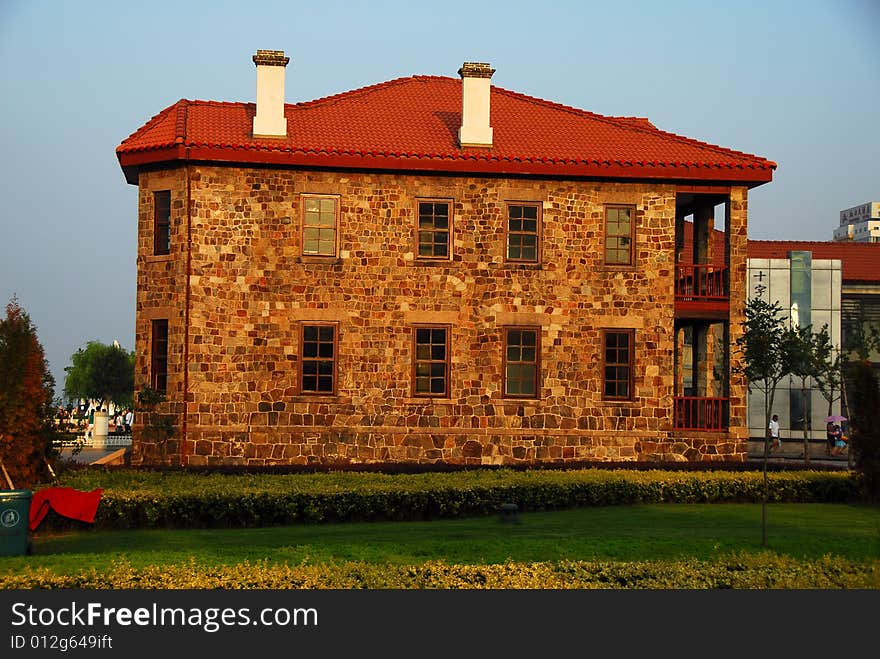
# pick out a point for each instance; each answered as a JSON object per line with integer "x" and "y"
{"x": 431, "y": 270}
{"x": 835, "y": 285}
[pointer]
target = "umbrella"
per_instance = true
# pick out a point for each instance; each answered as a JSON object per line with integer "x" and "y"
{"x": 835, "y": 418}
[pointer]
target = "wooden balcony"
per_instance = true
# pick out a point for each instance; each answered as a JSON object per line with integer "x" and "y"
{"x": 697, "y": 413}
{"x": 701, "y": 291}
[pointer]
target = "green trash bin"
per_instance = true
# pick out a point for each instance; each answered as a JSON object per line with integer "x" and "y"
{"x": 15, "y": 507}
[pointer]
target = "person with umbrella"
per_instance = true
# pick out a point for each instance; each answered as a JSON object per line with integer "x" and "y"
{"x": 834, "y": 435}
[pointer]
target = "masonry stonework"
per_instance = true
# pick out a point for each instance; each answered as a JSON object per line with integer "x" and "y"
{"x": 236, "y": 288}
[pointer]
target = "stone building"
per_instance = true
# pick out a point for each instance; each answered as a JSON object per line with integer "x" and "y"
{"x": 435, "y": 269}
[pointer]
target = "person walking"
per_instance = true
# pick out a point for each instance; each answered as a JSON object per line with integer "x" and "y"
{"x": 773, "y": 428}
{"x": 129, "y": 417}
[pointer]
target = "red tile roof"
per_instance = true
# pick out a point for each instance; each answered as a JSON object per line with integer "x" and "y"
{"x": 860, "y": 262}
{"x": 412, "y": 124}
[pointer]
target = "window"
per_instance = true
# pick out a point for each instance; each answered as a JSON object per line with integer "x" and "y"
{"x": 522, "y": 232}
{"x": 619, "y": 235}
{"x": 162, "y": 222}
{"x": 431, "y": 363}
{"x": 522, "y": 352}
{"x": 318, "y": 359}
{"x": 433, "y": 230}
{"x": 320, "y": 218}
{"x": 617, "y": 350}
{"x": 159, "y": 355}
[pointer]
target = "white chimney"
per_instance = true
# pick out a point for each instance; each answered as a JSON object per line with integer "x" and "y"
{"x": 475, "y": 129}
{"x": 269, "y": 120}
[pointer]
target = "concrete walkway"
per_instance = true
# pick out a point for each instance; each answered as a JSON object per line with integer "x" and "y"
{"x": 792, "y": 452}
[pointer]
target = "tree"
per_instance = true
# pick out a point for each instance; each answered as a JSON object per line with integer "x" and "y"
{"x": 764, "y": 363}
{"x": 26, "y": 394}
{"x": 805, "y": 353}
{"x": 865, "y": 440}
{"x": 101, "y": 372}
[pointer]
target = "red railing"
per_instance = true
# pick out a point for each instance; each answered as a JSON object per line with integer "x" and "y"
{"x": 696, "y": 413}
{"x": 700, "y": 282}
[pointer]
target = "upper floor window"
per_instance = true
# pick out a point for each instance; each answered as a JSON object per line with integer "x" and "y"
{"x": 434, "y": 229}
{"x": 522, "y": 353}
{"x": 320, "y": 222}
{"x": 523, "y": 230}
{"x": 618, "y": 356}
{"x": 159, "y": 355}
{"x": 431, "y": 363}
{"x": 162, "y": 222}
{"x": 619, "y": 231}
{"x": 318, "y": 375}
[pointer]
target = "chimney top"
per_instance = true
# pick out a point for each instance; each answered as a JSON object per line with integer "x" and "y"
{"x": 270, "y": 58}
{"x": 476, "y": 70}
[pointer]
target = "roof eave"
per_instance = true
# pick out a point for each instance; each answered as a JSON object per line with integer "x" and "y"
{"x": 132, "y": 161}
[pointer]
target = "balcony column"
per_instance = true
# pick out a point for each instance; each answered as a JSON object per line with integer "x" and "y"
{"x": 678, "y": 359}
{"x": 704, "y": 225}
{"x": 702, "y": 356}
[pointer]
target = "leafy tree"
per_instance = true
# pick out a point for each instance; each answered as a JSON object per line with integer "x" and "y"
{"x": 101, "y": 372}
{"x": 829, "y": 378}
{"x": 26, "y": 395}
{"x": 866, "y": 424}
{"x": 765, "y": 363}
{"x": 805, "y": 353}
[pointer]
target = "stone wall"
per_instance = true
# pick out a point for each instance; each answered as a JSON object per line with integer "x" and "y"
{"x": 237, "y": 325}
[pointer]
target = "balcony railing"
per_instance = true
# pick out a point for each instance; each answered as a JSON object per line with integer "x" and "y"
{"x": 696, "y": 413}
{"x": 700, "y": 282}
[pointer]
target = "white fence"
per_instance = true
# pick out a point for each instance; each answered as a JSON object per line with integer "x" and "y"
{"x": 110, "y": 441}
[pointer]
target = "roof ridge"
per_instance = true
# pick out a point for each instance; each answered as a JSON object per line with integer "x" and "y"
{"x": 359, "y": 91}
{"x": 621, "y": 123}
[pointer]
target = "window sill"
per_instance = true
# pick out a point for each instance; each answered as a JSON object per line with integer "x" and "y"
{"x": 432, "y": 263}
{"x": 319, "y": 260}
{"x": 516, "y": 265}
{"x": 619, "y": 268}
{"x": 316, "y": 398}
{"x": 159, "y": 258}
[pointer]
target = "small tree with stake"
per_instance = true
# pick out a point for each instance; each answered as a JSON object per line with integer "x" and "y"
{"x": 806, "y": 354}
{"x": 764, "y": 363}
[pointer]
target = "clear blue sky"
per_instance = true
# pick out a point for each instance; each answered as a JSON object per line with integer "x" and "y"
{"x": 797, "y": 82}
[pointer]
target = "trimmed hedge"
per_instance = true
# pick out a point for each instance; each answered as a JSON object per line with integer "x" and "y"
{"x": 740, "y": 571}
{"x": 139, "y": 499}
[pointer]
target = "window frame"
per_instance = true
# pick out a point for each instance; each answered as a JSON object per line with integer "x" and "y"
{"x": 303, "y": 359}
{"x": 537, "y": 363}
{"x": 538, "y": 231}
{"x": 416, "y": 229}
{"x": 161, "y": 225}
{"x": 632, "y": 236}
{"x": 159, "y": 361}
{"x": 630, "y": 365}
{"x": 447, "y": 362}
{"x": 304, "y": 197}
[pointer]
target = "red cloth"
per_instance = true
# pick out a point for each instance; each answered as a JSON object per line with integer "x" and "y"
{"x": 65, "y": 501}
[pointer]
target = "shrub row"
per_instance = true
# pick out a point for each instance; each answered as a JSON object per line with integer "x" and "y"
{"x": 136, "y": 499}
{"x": 741, "y": 571}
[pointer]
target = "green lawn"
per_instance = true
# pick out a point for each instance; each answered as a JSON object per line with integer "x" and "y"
{"x": 617, "y": 533}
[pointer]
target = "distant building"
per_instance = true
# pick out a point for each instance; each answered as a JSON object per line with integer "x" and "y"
{"x": 860, "y": 224}
{"x": 818, "y": 283}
